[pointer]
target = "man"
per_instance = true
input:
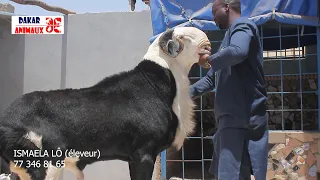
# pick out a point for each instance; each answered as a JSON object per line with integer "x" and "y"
{"x": 241, "y": 140}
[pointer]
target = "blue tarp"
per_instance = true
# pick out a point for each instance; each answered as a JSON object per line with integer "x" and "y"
{"x": 171, "y": 13}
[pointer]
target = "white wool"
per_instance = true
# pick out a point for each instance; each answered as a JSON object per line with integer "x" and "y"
{"x": 183, "y": 105}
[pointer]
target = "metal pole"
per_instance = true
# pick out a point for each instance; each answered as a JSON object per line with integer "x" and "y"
{"x": 163, "y": 157}
{"x": 318, "y": 62}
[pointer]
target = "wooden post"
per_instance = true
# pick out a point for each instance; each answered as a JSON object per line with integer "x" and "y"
{"x": 157, "y": 169}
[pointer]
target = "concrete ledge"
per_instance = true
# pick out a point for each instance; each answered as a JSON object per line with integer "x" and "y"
{"x": 6, "y": 10}
{"x": 6, "y": 7}
{"x": 6, "y": 16}
{"x": 279, "y": 136}
{"x": 293, "y": 155}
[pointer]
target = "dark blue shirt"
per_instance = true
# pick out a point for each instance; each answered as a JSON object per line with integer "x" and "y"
{"x": 238, "y": 77}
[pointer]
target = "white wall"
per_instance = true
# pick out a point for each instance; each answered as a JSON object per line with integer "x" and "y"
{"x": 11, "y": 64}
{"x": 99, "y": 45}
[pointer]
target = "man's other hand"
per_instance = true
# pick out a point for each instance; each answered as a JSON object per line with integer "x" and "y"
{"x": 204, "y": 58}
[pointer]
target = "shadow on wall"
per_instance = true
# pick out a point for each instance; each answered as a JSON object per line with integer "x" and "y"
{"x": 11, "y": 64}
{"x": 11, "y": 70}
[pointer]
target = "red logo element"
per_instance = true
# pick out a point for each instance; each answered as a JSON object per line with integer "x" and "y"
{"x": 53, "y": 25}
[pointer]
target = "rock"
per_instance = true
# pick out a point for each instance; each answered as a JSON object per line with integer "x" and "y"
{"x": 294, "y": 176}
{"x": 6, "y": 7}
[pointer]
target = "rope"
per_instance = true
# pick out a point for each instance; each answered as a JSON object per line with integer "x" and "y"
{"x": 44, "y": 6}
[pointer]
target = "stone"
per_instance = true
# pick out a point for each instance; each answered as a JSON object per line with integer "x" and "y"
{"x": 306, "y": 146}
{"x": 272, "y": 153}
{"x": 287, "y": 150}
{"x": 294, "y": 142}
{"x": 279, "y": 155}
{"x": 6, "y": 7}
{"x": 302, "y": 178}
{"x": 287, "y": 141}
{"x": 270, "y": 174}
{"x": 280, "y": 146}
{"x": 279, "y": 177}
{"x": 298, "y": 150}
{"x": 314, "y": 147}
{"x": 285, "y": 164}
{"x": 301, "y": 136}
{"x": 301, "y": 160}
{"x": 291, "y": 116}
{"x": 311, "y": 159}
{"x": 302, "y": 171}
{"x": 318, "y": 162}
{"x": 293, "y": 176}
{"x": 312, "y": 171}
{"x": 312, "y": 178}
{"x": 271, "y": 89}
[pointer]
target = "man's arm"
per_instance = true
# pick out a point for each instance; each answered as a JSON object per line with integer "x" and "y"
{"x": 202, "y": 86}
{"x": 237, "y": 51}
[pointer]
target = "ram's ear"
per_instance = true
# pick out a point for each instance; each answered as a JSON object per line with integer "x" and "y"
{"x": 169, "y": 44}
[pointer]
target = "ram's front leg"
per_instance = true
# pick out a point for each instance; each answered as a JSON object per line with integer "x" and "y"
{"x": 142, "y": 167}
{"x": 71, "y": 165}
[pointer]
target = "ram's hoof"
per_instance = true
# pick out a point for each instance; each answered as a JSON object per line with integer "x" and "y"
{"x": 5, "y": 176}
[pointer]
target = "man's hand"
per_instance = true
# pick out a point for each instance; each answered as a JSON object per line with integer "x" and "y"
{"x": 204, "y": 58}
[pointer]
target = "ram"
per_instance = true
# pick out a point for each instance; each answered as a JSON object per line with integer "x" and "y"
{"x": 130, "y": 116}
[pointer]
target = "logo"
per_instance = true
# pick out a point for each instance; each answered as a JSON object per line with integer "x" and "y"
{"x": 37, "y": 25}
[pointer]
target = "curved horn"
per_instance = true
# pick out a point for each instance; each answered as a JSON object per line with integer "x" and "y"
{"x": 169, "y": 44}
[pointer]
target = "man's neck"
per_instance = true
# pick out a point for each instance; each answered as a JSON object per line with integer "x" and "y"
{"x": 233, "y": 16}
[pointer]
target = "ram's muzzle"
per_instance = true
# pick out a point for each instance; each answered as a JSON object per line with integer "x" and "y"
{"x": 205, "y": 45}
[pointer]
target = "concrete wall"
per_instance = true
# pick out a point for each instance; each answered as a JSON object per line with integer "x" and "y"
{"x": 117, "y": 42}
{"x": 42, "y": 62}
{"x": 93, "y": 47}
{"x": 11, "y": 64}
{"x": 99, "y": 45}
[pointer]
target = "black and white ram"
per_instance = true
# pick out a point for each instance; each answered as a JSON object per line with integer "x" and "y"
{"x": 131, "y": 116}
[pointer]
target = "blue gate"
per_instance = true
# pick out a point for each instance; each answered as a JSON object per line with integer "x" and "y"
{"x": 289, "y": 33}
